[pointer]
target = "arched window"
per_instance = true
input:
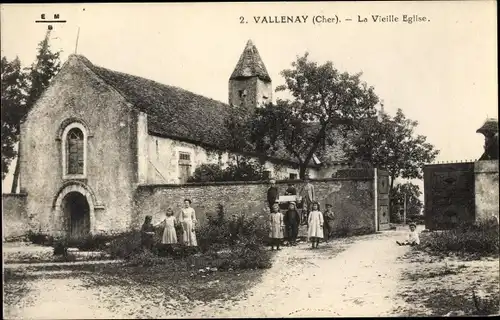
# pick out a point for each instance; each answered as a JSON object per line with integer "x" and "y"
{"x": 74, "y": 151}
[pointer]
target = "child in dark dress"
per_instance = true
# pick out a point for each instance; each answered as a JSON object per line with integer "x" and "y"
{"x": 147, "y": 234}
{"x": 292, "y": 222}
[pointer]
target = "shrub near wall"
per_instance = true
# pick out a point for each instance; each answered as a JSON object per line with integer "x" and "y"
{"x": 352, "y": 200}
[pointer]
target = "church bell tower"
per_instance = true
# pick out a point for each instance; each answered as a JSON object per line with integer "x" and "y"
{"x": 250, "y": 85}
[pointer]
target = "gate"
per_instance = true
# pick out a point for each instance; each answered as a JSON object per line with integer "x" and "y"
{"x": 383, "y": 199}
{"x": 448, "y": 195}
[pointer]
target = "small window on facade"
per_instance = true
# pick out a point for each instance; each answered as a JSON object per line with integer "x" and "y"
{"x": 293, "y": 176}
{"x": 75, "y": 152}
{"x": 242, "y": 93}
{"x": 184, "y": 156}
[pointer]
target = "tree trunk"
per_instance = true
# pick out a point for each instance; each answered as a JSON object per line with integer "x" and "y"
{"x": 392, "y": 183}
{"x": 302, "y": 171}
{"x": 15, "y": 179}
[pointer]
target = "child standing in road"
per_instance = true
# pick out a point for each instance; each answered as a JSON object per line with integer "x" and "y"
{"x": 327, "y": 226}
{"x": 315, "y": 223}
{"x": 292, "y": 222}
{"x": 413, "y": 237}
{"x": 277, "y": 226}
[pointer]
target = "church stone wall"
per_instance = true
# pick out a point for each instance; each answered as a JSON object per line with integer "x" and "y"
{"x": 352, "y": 199}
{"x": 163, "y": 161}
{"x": 76, "y": 92}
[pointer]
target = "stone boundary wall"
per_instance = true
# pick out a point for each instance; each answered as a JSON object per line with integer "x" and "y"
{"x": 353, "y": 199}
{"x": 486, "y": 190}
{"x": 15, "y": 221}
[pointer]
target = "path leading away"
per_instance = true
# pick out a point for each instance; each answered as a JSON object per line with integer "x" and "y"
{"x": 359, "y": 281}
{"x": 349, "y": 277}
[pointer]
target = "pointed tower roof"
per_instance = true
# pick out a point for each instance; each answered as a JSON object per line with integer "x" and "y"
{"x": 250, "y": 65}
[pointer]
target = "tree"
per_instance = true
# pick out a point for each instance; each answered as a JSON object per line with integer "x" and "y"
{"x": 245, "y": 170}
{"x": 391, "y": 143}
{"x": 207, "y": 172}
{"x": 325, "y": 103}
{"x": 413, "y": 203}
{"x": 47, "y": 64}
{"x": 13, "y": 108}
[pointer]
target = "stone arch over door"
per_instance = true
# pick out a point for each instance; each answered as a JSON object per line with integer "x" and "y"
{"x": 58, "y": 219}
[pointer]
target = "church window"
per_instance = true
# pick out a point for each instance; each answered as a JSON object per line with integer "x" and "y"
{"x": 74, "y": 151}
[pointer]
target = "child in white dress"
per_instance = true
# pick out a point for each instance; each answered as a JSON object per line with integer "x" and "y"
{"x": 169, "y": 235}
{"x": 276, "y": 226}
{"x": 413, "y": 237}
{"x": 315, "y": 223}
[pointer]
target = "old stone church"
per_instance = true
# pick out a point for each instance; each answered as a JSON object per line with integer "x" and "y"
{"x": 95, "y": 135}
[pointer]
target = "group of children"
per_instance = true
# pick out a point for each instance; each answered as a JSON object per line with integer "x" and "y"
{"x": 319, "y": 224}
{"x": 187, "y": 221}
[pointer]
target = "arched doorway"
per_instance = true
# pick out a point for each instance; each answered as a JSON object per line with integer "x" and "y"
{"x": 76, "y": 211}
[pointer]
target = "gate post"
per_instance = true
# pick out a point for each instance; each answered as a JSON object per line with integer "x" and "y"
{"x": 375, "y": 193}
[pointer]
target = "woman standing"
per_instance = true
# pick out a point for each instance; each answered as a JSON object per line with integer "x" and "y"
{"x": 188, "y": 221}
{"x": 315, "y": 222}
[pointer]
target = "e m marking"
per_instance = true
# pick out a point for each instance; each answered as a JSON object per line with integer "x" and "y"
{"x": 56, "y": 19}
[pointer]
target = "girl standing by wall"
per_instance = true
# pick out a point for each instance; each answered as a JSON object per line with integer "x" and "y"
{"x": 315, "y": 222}
{"x": 169, "y": 235}
{"x": 277, "y": 226}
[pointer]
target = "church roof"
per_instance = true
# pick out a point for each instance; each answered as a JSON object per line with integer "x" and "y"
{"x": 490, "y": 125}
{"x": 250, "y": 65}
{"x": 173, "y": 112}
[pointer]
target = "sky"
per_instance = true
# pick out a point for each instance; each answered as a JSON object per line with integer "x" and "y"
{"x": 441, "y": 72}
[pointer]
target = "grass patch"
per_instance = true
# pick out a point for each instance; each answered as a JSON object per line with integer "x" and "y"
{"x": 444, "y": 300}
{"x": 474, "y": 241}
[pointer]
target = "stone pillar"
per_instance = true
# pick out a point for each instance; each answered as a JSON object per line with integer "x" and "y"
{"x": 486, "y": 190}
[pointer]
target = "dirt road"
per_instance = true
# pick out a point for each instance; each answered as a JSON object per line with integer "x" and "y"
{"x": 358, "y": 281}
{"x": 350, "y": 277}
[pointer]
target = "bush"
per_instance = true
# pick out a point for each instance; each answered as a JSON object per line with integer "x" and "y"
{"x": 40, "y": 238}
{"x": 481, "y": 239}
{"x": 416, "y": 218}
{"x": 244, "y": 170}
{"x": 236, "y": 242}
{"x": 125, "y": 245}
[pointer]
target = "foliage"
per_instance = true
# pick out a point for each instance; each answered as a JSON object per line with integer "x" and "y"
{"x": 477, "y": 240}
{"x": 413, "y": 203}
{"x": 125, "y": 245}
{"x": 391, "y": 143}
{"x": 13, "y": 108}
{"x": 40, "y": 238}
{"x": 207, "y": 172}
{"x": 325, "y": 103}
{"x": 236, "y": 242}
{"x": 47, "y": 64}
{"x": 242, "y": 169}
